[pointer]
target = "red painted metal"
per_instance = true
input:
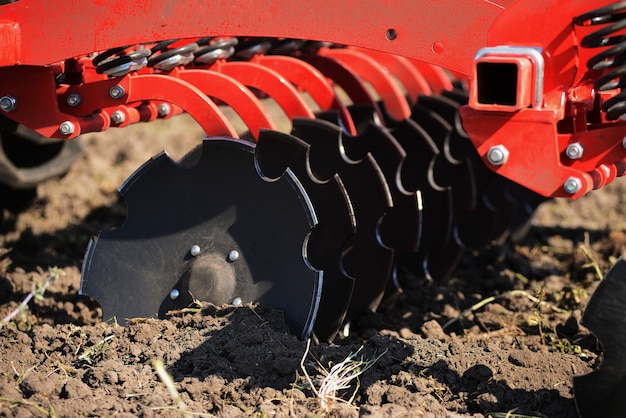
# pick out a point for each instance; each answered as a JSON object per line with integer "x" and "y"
{"x": 436, "y": 76}
{"x": 381, "y": 81}
{"x": 306, "y": 78}
{"x": 45, "y": 46}
{"x": 341, "y": 76}
{"x": 537, "y": 134}
{"x": 233, "y": 93}
{"x": 270, "y": 82}
{"x": 44, "y": 32}
{"x": 412, "y": 80}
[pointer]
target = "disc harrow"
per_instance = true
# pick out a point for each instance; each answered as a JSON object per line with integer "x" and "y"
{"x": 390, "y": 139}
{"x": 385, "y": 175}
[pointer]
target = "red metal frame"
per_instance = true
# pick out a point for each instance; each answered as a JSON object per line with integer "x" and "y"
{"x": 41, "y": 40}
{"x": 43, "y": 32}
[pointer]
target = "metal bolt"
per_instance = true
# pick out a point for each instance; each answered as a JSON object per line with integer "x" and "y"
{"x": 118, "y": 117}
{"x": 195, "y": 250}
{"x": 74, "y": 99}
{"x": 8, "y": 103}
{"x": 498, "y": 154}
{"x": 574, "y": 151}
{"x": 237, "y": 301}
{"x": 164, "y": 109}
{"x": 116, "y": 92}
{"x": 66, "y": 128}
{"x": 572, "y": 185}
{"x": 174, "y": 294}
{"x": 233, "y": 256}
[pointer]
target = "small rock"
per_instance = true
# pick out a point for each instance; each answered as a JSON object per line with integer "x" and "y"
{"x": 432, "y": 329}
{"x": 518, "y": 358}
{"x": 406, "y": 333}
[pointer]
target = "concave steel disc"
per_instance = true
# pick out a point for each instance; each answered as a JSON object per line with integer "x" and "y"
{"x": 326, "y": 244}
{"x": 366, "y": 258}
{"x": 213, "y": 231}
{"x": 601, "y": 392}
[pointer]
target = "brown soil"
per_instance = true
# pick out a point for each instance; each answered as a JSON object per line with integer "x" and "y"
{"x": 58, "y": 358}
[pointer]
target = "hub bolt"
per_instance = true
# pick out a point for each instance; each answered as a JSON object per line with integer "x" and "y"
{"x": 118, "y": 117}
{"x": 74, "y": 99}
{"x": 116, "y": 92}
{"x": 572, "y": 185}
{"x": 66, "y": 128}
{"x": 497, "y": 155}
{"x": 174, "y": 294}
{"x": 195, "y": 250}
{"x": 574, "y": 151}
{"x": 8, "y": 104}
{"x": 237, "y": 301}
{"x": 164, "y": 109}
{"x": 233, "y": 256}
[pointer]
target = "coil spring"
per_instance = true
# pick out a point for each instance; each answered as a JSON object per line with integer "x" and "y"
{"x": 116, "y": 62}
{"x": 212, "y": 50}
{"x": 612, "y": 58}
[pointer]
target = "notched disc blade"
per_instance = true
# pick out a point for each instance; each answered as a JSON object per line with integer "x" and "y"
{"x": 366, "y": 258}
{"x": 602, "y": 393}
{"x": 277, "y": 152}
{"x": 151, "y": 265}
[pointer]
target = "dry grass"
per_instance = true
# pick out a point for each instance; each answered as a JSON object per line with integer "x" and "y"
{"x": 340, "y": 377}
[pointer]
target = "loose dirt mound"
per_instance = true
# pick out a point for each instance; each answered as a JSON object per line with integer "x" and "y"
{"x": 443, "y": 349}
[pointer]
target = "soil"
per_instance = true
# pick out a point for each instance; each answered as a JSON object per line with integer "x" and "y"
{"x": 427, "y": 355}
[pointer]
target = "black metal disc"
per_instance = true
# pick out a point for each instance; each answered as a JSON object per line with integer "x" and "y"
{"x": 401, "y": 227}
{"x": 456, "y": 176}
{"x": 214, "y": 232}
{"x": 601, "y": 393}
{"x": 366, "y": 258}
{"x": 278, "y": 153}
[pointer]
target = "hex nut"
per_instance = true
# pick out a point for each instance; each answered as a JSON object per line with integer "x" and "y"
{"x": 67, "y": 128}
{"x": 575, "y": 151}
{"x": 116, "y": 92}
{"x": 118, "y": 117}
{"x": 8, "y": 103}
{"x": 572, "y": 185}
{"x": 498, "y": 155}
{"x": 74, "y": 100}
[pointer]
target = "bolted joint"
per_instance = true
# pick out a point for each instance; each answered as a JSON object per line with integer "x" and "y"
{"x": 164, "y": 109}
{"x": 116, "y": 92}
{"x": 498, "y": 155}
{"x": 74, "y": 100}
{"x": 118, "y": 117}
{"x": 67, "y": 128}
{"x": 8, "y": 103}
{"x": 233, "y": 256}
{"x": 572, "y": 185}
{"x": 575, "y": 151}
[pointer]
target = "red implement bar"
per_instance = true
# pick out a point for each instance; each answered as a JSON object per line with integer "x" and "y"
{"x": 443, "y": 32}
{"x": 533, "y": 108}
